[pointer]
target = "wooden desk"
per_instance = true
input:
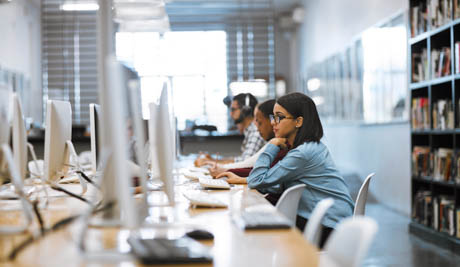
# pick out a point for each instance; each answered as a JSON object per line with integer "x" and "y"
{"x": 232, "y": 247}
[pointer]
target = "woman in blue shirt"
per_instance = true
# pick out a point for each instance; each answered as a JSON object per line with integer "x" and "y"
{"x": 296, "y": 123}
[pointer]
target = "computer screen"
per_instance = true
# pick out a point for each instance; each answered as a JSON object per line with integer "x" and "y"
{"x": 19, "y": 138}
{"x": 58, "y": 131}
{"x": 4, "y": 123}
{"x": 4, "y": 114}
{"x": 95, "y": 117}
{"x": 116, "y": 183}
{"x": 165, "y": 149}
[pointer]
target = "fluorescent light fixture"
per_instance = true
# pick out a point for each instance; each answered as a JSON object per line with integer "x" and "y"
{"x": 157, "y": 25}
{"x": 313, "y": 84}
{"x": 139, "y": 10}
{"x": 83, "y": 6}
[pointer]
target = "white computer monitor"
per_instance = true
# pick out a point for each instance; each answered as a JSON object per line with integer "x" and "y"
{"x": 4, "y": 122}
{"x": 17, "y": 182}
{"x": 165, "y": 150}
{"x": 138, "y": 132}
{"x": 58, "y": 131}
{"x": 116, "y": 183}
{"x": 19, "y": 137}
{"x": 4, "y": 114}
{"x": 95, "y": 117}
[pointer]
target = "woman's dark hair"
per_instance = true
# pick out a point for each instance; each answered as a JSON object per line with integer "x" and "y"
{"x": 267, "y": 107}
{"x": 298, "y": 104}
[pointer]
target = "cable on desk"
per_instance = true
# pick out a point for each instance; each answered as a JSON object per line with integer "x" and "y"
{"x": 60, "y": 189}
{"x": 39, "y": 216}
{"x": 53, "y": 228}
{"x": 84, "y": 176}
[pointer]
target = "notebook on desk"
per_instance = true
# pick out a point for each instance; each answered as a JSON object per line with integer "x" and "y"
{"x": 169, "y": 251}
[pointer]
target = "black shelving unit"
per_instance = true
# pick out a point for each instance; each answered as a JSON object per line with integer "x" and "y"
{"x": 434, "y": 88}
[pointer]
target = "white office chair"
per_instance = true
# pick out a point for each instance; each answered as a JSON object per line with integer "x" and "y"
{"x": 314, "y": 228}
{"x": 349, "y": 242}
{"x": 360, "y": 204}
{"x": 289, "y": 201}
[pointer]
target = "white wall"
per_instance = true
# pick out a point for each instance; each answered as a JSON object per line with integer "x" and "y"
{"x": 20, "y": 48}
{"x": 329, "y": 25}
{"x": 282, "y": 54}
{"x": 383, "y": 149}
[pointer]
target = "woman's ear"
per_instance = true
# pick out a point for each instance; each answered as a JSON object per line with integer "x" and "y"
{"x": 298, "y": 122}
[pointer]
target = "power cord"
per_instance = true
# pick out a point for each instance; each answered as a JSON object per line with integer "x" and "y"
{"x": 58, "y": 225}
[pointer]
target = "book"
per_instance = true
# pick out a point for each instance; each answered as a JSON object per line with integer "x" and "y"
{"x": 435, "y": 223}
{"x": 457, "y": 165}
{"x": 421, "y": 160}
{"x": 443, "y": 114}
{"x": 446, "y": 221}
{"x": 458, "y": 222}
{"x": 418, "y": 18}
{"x": 456, "y": 9}
{"x": 420, "y": 110}
{"x": 443, "y": 164}
{"x": 422, "y": 207}
{"x": 457, "y": 57}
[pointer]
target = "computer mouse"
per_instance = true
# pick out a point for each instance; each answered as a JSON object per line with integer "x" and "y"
{"x": 200, "y": 235}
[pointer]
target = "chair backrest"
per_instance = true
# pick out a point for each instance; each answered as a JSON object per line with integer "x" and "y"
{"x": 360, "y": 204}
{"x": 314, "y": 228}
{"x": 349, "y": 242}
{"x": 289, "y": 201}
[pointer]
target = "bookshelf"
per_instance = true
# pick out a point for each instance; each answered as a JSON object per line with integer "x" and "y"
{"x": 434, "y": 82}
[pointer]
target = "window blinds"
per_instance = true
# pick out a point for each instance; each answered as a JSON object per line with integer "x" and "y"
{"x": 69, "y": 48}
{"x": 69, "y": 58}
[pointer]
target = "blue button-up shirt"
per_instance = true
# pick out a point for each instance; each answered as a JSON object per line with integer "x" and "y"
{"x": 310, "y": 164}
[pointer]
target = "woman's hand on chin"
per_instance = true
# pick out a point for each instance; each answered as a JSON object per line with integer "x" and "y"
{"x": 281, "y": 142}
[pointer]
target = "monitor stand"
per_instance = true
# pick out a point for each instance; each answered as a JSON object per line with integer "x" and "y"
{"x": 18, "y": 186}
{"x": 71, "y": 151}
{"x": 40, "y": 175}
{"x": 109, "y": 217}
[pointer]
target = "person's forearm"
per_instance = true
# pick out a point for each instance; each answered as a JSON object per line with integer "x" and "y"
{"x": 225, "y": 161}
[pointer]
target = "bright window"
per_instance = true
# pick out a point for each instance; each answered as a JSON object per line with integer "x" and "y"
{"x": 195, "y": 65}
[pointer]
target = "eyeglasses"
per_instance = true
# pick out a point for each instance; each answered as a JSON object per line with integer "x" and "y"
{"x": 277, "y": 118}
{"x": 234, "y": 109}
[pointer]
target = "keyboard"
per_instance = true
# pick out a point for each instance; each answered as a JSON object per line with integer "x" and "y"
{"x": 167, "y": 251}
{"x": 199, "y": 170}
{"x": 202, "y": 199}
{"x": 261, "y": 220}
{"x": 195, "y": 175}
{"x": 214, "y": 183}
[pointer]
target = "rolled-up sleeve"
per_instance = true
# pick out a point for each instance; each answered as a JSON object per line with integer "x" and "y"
{"x": 263, "y": 177}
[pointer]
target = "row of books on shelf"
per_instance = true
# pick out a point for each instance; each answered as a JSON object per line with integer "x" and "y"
{"x": 441, "y": 12}
{"x": 442, "y": 114}
{"x": 442, "y": 164}
{"x": 438, "y": 212}
{"x": 435, "y": 12}
{"x": 419, "y": 18}
{"x": 440, "y": 62}
{"x": 419, "y": 66}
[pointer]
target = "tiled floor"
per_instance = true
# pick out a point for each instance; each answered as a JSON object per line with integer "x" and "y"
{"x": 393, "y": 245}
